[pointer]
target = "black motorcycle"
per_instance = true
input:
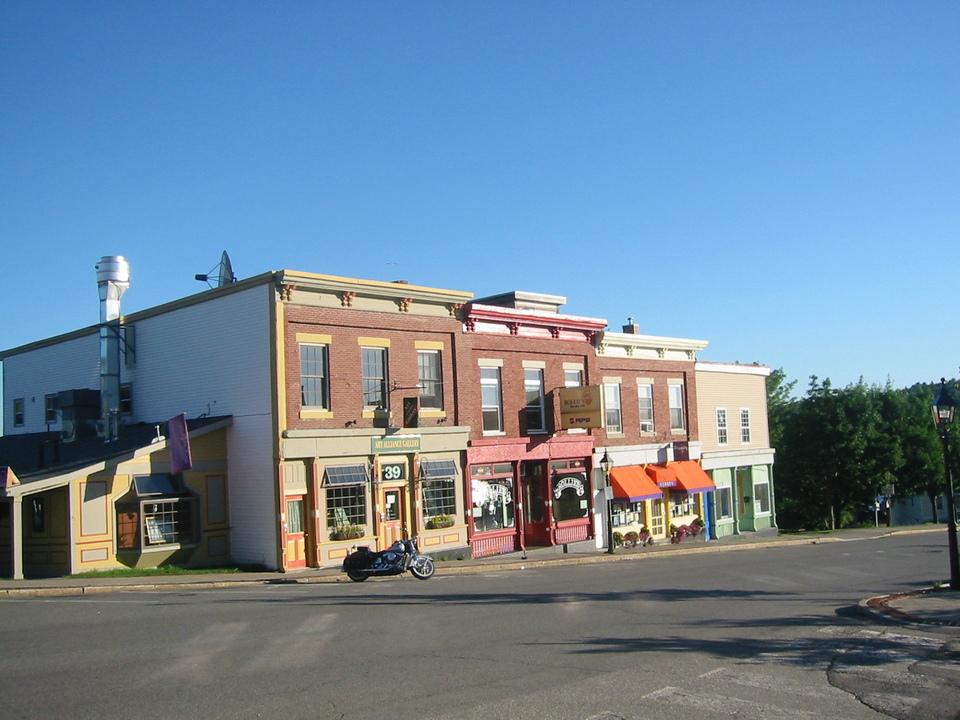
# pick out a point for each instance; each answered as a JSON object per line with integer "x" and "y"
{"x": 395, "y": 560}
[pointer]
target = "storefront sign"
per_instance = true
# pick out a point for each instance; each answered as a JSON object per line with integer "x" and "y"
{"x": 569, "y": 481}
{"x": 395, "y": 444}
{"x": 581, "y": 407}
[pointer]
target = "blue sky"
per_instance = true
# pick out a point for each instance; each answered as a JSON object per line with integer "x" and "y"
{"x": 778, "y": 178}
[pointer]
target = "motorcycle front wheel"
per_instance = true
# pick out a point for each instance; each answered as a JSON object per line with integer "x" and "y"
{"x": 422, "y": 567}
{"x": 357, "y": 576}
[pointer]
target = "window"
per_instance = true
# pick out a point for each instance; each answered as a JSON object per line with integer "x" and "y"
{"x": 38, "y": 515}
{"x": 645, "y": 392}
{"x": 156, "y": 512}
{"x": 721, "y": 426}
{"x": 569, "y": 496}
{"x": 126, "y": 399}
{"x": 535, "y": 412}
{"x": 314, "y": 389}
{"x": 438, "y": 479}
{"x": 676, "y": 406}
{"x": 492, "y": 496}
{"x": 374, "y": 378}
{"x": 51, "y": 404}
{"x": 430, "y": 376}
{"x": 346, "y": 495}
{"x": 724, "y": 498}
{"x": 295, "y": 516}
{"x": 761, "y": 497}
{"x": 572, "y": 378}
{"x": 18, "y": 414}
{"x": 681, "y": 504}
{"x": 611, "y": 399}
{"x": 346, "y": 505}
{"x": 745, "y": 426}
{"x": 491, "y": 400}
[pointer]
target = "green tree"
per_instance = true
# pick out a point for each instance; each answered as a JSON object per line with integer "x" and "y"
{"x": 834, "y": 454}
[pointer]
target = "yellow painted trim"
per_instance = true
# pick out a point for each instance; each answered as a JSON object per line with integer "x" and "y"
{"x": 373, "y": 342}
{"x": 315, "y": 414}
{"x": 314, "y": 338}
{"x": 433, "y": 413}
{"x": 378, "y": 284}
{"x": 428, "y": 345}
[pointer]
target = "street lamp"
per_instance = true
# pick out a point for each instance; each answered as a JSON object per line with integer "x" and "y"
{"x": 606, "y": 464}
{"x": 944, "y": 411}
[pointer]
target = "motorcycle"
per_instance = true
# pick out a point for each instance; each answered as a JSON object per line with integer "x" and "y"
{"x": 395, "y": 560}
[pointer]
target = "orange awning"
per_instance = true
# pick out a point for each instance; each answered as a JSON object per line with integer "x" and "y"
{"x": 692, "y": 477}
{"x": 633, "y": 484}
{"x": 662, "y": 475}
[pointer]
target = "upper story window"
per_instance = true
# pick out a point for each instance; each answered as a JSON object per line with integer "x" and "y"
{"x": 572, "y": 378}
{"x": 721, "y": 426}
{"x": 51, "y": 404}
{"x": 491, "y": 399}
{"x": 18, "y": 412}
{"x": 314, "y": 387}
{"x": 745, "y": 426}
{"x": 430, "y": 379}
{"x": 374, "y": 377}
{"x": 535, "y": 411}
{"x": 126, "y": 399}
{"x": 645, "y": 393}
{"x": 613, "y": 415}
{"x": 675, "y": 395}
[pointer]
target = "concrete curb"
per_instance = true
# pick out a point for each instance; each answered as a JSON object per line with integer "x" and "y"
{"x": 509, "y": 563}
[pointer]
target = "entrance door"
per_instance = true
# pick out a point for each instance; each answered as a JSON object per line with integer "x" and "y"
{"x": 296, "y": 536}
{"x": 392, "y": 525}
{"x": 536, "y": 525}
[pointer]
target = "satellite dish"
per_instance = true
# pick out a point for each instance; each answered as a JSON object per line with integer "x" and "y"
{"x": 222, "y": 274}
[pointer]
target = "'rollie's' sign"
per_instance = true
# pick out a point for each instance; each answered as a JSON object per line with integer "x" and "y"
{"x": 581, "y": 407}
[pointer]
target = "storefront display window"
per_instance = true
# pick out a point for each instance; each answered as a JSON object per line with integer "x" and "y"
{"x": 492, "y": 504}
{"x": 681, "y": 504}
{"x": 570, "y": 498}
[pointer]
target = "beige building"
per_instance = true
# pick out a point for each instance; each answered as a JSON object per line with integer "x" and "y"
{"x": 735, "y": 445}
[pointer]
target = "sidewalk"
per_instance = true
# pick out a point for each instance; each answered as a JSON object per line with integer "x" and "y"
{"x": 932, "y": 607}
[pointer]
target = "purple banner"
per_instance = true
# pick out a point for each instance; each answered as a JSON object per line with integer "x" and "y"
{"x": 179, "y": 440}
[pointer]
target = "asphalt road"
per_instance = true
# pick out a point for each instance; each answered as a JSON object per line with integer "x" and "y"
{"x": 761, "y": 633}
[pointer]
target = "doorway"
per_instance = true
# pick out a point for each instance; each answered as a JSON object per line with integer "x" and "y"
{"x": 536, "y": 521}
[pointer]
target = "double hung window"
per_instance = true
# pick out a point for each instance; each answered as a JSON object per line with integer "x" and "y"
{"x": 721, "y": 426}
{"x": 491, "y": 400}
{"x": 613, "y": 415}
{"x": 374, "y": 378}
{"x": 430, "y": 379}
{"x": 535, "y": 411}
{"x": 745, "y": 426}
{"x": 645, "y": 393}
{"x": 314, "y": 375}
{"x": 677, "y": 422}
{"x": 18, "y": 412}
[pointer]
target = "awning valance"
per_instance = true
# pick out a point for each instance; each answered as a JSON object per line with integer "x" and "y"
{"x": 691, "y": 477}
{"x": 663, "y": 475}
{"x": 632, "y": 483}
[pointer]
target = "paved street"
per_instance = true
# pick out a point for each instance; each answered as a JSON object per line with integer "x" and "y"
{"x": 763, "y": 633}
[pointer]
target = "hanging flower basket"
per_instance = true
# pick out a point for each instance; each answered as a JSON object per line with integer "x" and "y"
{"x": 347, "y": 532}
{"x": 439, "y": 521}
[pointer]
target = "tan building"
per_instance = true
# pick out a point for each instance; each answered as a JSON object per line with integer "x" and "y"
{"x": 735, "y": 445}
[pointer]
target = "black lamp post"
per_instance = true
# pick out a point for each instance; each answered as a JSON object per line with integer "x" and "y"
{"x": 606, "y": 464}
{"x": 944, "y": 411}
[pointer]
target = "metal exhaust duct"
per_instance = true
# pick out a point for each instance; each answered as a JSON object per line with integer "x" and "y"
{"x": 113, "y": 279}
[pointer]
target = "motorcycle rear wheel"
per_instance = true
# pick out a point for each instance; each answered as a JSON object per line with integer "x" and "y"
{"x": 422, "y": 568}
{"x": 357, "y": 576}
